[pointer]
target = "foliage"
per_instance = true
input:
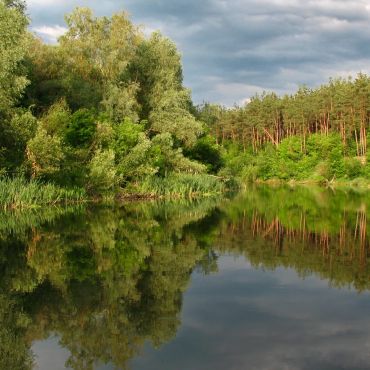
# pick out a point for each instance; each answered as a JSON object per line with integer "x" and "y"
{"x": 81, "y": 130}
{"x": 120, "y": 102}
{"x": 57, "y": 119}
{"x": 13, "y": 139}
{"x": 19, "y": 193}
{"x": 126, "y": 137}
{"x": 208, "y": 152}
{"x": 322, "y": 160}
{"x": 172, "y": 116}
{"x": 310, "y": 134}
{"x": 13, "y": 38}
{"x": 108, "y": 95}
{"x": 135, "y": 165}
{"x": 108, "y": 106}
{"x": 181, "y": 185}
{"x": 169, "y": 159}
{"x": 45, "y": 154}
{"x": 102, "y": 172}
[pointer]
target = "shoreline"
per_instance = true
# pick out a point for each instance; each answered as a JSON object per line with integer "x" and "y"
{"x": 122, "y": 196}
{"x": 360, "y": 183}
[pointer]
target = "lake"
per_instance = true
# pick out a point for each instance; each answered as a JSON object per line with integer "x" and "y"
{"x": 271, "y": 278}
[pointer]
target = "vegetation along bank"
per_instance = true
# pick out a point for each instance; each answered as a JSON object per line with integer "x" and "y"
{"x": 104, "y": 113}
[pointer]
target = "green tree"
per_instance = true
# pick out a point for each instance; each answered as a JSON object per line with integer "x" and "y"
{"x": 45, "y": 154}
{"x": 13, "y": 44}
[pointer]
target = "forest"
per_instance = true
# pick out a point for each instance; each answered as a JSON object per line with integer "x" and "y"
{"x": 317, "y": 135}
{"x": 104, "y": 114}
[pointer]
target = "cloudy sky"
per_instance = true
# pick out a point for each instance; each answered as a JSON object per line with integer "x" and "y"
{"x": 234, "y": 48}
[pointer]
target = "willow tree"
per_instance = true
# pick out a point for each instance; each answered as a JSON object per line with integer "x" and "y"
{"x": 96, "y": 53}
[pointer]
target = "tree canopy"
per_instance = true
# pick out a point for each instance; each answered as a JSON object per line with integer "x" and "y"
{"x": 104, "y": 95}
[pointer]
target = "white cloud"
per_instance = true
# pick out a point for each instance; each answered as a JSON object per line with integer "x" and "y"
{"x": 50, "y": 33}
{"x": 44, "y": 2}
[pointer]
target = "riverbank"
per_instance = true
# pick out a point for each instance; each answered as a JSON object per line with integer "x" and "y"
{"x": 176, "y": 186}
{"x": 360, "y": 183}
{"x": 19, "y": 193}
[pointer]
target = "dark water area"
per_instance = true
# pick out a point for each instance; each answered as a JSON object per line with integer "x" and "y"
{"x": 272, "y": 278}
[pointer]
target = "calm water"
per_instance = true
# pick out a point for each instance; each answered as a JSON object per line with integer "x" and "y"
{"x": 274, "y": 278}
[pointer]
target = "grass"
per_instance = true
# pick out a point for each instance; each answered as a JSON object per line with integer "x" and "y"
{"x": 18, "y": 193}
{"x": 178, "y": 186}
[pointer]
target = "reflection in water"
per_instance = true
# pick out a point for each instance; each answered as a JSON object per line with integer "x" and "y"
{"x": 108, "y": 281}
{"x": 311, "y": 230}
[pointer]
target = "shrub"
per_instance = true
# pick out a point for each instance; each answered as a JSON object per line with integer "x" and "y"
{"x": 57, "y": 119}
{"x": 336, "y": 162}
{"x": 208, "y": 152}
{"x": 104, "y": 135}
{"x": 137, "y": 163}
{"x": 322, "y": 170}
{"x": 126, "y": 137}
{"x": 102, "y": 172}
{"x": 45, "y": 154}
{"x": 353, "y": 168}
{"x": 81, "y": 130}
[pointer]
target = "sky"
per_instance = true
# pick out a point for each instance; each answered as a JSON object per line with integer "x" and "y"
{"x": 233, "y": 49}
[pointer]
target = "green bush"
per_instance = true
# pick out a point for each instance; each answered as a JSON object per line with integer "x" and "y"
{"x": 126, "y": 137}
{"x": 322, "y": 170}
{"x": 208, "y": 152}
{"x": 353, "y": 168}
{"x": 81, "y": 130}
{"x": 321, "y": 158}
{"x": 336, "y": 162}
{"x": 57, "y": 119}
{"x": 102, "y": 172}
{"x": 45, "y": 154}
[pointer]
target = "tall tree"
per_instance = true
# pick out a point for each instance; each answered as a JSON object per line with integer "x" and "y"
{"x": 13, "y": 39}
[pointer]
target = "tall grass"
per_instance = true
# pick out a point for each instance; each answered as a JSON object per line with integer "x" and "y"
{"x": 179, "y": 186}
{"x": 21, "y": 193}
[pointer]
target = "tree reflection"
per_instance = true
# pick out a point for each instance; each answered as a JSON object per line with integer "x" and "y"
{"x": 107, "y": 280}
{"x": 314, "y": 231}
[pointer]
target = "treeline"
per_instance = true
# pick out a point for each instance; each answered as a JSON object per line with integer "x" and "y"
{"x": 103, "y": 109}
{"x": 329, "y": 121}
{"x": 342, "y": 106}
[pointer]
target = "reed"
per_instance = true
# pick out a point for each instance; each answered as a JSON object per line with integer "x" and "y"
{"x": 182, "y": 186}
{"x": 20, "y": 193}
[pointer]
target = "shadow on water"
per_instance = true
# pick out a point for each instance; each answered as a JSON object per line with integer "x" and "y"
{"x": 107, "y": 280}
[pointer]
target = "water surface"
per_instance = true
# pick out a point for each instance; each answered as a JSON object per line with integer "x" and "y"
{"x": 273, "y": 278}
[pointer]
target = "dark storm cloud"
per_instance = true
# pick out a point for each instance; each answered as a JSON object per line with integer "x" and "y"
{"x": 233, "y": 49}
